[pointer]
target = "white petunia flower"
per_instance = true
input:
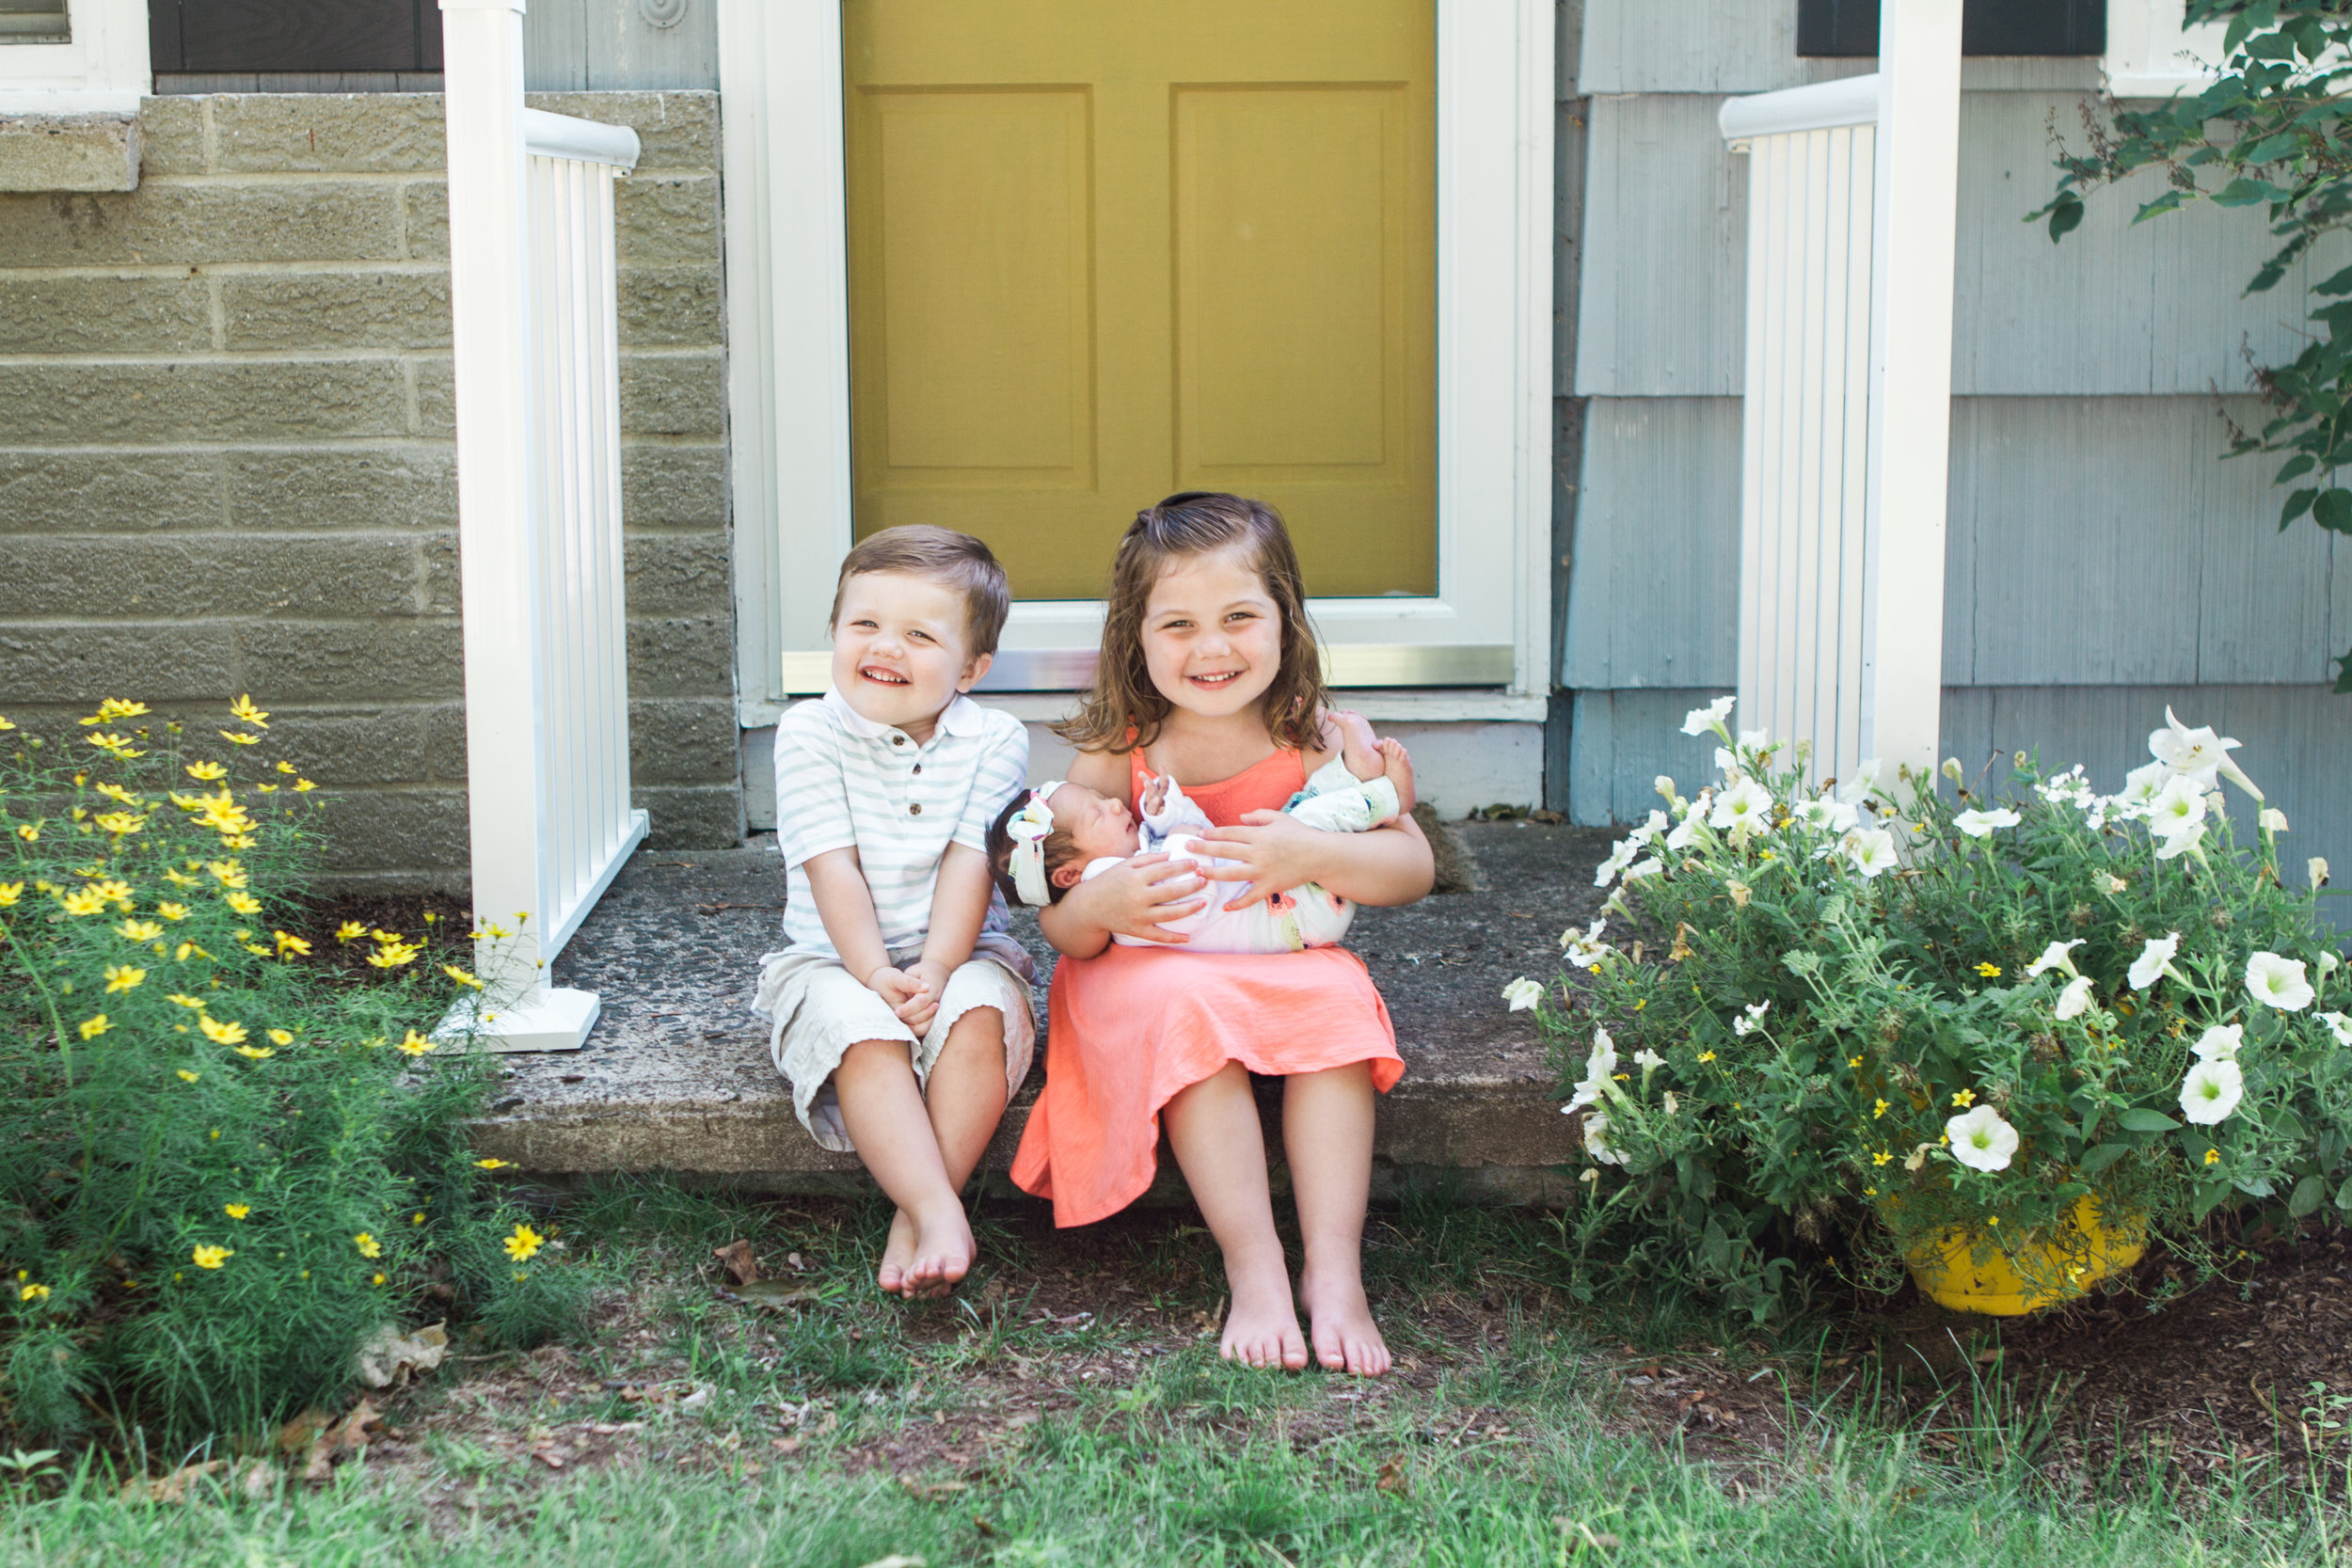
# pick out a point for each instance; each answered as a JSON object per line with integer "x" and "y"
{"x": 2176, "y": 808}
{"x": 2212, "y": 1090}
{"x": 1585, "y": 948}
{"x": 2278, "y": 982}
{"x": 1871, "y": 851}
{"x": 1980, "y": 1139}
{"x": 2272, "y": 820}
{"x": 1671, "y": 1104}
{"x": 1686, "y": 834}
{"x": 2075, "y": 998}
{"x": 1620, "y": 856}
{"x": 2058, "y": 954}
{"x": 1648, "y": 830}
{"x": 1597, "y": 1139}
{"x": 2317, "y": 869}
{"x": 1700, "y": 720}
{"x": 1754, "y": 1020}
{"x": 2141, "y": 784}
{"x": 2183, "y": 842}
{"x": 1726, "y": 763}
{"x": 2197, "y": 755}
{"x": 1650, "y": 866}
{"x": 1665, "y": 787}
{"x": 1649, "y": 1061}
{"x": 1858, "y": 788}
{"x": 1756, "y": 741}
{"x": 2154, "y": 960}
{"x": 1523, "y": 993}
{"x": 2220, "y": 1043}
{"x": 1746, "y": 804}
{"x": 2339, "y": 1026}
{"x": 1979, "y": 824}
{"x": 1827, "y": 815}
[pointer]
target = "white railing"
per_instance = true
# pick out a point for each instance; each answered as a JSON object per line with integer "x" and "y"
{"x": 532, "y": 287}
{"x": 1846, "y": 398}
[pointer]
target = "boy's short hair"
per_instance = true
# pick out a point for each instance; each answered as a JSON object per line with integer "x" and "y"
{"x": 1059, "y": 850}
{"x": 944, "y": 556}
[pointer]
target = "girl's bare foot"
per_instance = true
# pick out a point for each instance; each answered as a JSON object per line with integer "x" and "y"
{"x": 892, "y": 1276}
{"x": 1261, "y": 1325}
{"x": 941, "y": 1253}
{"x": 1397, "y": 765}
{"x": 1347, "y": 1338}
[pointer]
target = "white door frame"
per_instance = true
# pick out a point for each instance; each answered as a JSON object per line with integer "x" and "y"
{"x": 788, "y": 390}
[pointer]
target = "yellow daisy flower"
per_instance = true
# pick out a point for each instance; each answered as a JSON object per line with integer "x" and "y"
{"x": 207, "y": 772}
{"x": 243, "y": 709}
{"x": 187, "y": 1077}
{"x": 415, "y": 1044}
{"x": 94, "y": 1026}
{"x": 255, "y": 1053}
{"x": 123, "y": 977}
{"x": 1965, "y": 1098}
{"x": 524, "y": 1243}
{"x": 236, "y": 1211}
{"x": 369, "y": 1246}
{"x": 350, "y": 930}
{"x": 212, "y": 1257}
{"x": 243, "y": 903}
{"x": 231, "y": 1033}
{"x": 281, "y": 1037}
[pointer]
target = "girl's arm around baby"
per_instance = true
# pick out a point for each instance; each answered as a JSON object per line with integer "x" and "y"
{"x": 1271, "y": 851}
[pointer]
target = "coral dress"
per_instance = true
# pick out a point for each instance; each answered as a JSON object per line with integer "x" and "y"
{"x": 1134, "y": 1026}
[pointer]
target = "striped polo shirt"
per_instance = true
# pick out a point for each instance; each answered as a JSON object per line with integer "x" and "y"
{"x": 844, "y": 781}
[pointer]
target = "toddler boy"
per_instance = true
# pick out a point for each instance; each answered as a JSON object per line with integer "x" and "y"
{"x": 900, "y": 1003}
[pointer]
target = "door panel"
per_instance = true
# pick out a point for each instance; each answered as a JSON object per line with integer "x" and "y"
{"x": 1098, "y": 254}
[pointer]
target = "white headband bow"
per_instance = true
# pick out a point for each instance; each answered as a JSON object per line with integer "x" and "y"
{"x": 1028, "y": 827}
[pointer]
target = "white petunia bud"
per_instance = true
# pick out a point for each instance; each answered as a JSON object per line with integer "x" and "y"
{"x": 2273, "y": 821}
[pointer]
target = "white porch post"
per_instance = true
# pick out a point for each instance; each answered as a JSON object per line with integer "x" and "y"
{"x": 514, "y": 695}
{"x": 1911, "y": 381}
{"x": 1852, "y": 186}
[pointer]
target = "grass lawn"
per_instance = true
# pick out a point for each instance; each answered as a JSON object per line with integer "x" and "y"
{"x": 1068, "y": 1406}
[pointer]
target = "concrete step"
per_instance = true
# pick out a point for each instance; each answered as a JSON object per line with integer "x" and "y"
{"x": 677, "y": 1076}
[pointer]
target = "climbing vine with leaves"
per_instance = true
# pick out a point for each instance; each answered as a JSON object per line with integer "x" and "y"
{"x": 2273, "y": 131}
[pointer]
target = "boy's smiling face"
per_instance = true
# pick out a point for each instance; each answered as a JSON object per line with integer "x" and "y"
{"x": 1212, "y": 634}
{"x": 900, "y": 650}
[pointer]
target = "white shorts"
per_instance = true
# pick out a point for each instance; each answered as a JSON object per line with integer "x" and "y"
{"x": 820, "y": 1010}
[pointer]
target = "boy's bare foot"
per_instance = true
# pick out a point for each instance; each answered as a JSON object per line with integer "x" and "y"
{"x": 1397, "y": 765}
{"x": 1261, "y": 1325}
{"x": 896, "y": 1253}
{"x": 1359, "y": 747}
{"x": 940, "y": 1254}
{"x": 1347, "y": 1338}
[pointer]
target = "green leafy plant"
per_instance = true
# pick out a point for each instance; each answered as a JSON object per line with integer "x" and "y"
{"x": 226, "y": 1168}
{"x": 1862, "y": 1017}
{"x": 2271, "y": 132}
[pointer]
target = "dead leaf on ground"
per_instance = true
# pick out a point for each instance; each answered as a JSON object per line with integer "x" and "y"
{"x": 736, "y": 1256}
{"x": 895, "y": 1560}
{"x": 388, "y": 1356}
{"x": 934, "y": 1490}
{"x": 350, "y": 1437}
{"x": 1393, "y": 1481}
{"x": 255, "y": 1478}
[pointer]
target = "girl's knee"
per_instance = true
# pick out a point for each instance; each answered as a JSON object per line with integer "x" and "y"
{"x": 978, "y": 1027}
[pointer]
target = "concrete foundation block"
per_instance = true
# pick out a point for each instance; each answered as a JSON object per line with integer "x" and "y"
{"x": 341, "y": 310}
{"x": 177, "y": 577}
{"x": 308, "y": 489}
{"x": 670, "y": 307}
{"x": 104, "y": 315}
{"x": 674, "y": 487}
{"x": 677, "y": 573}
{"x": 349, "y": 662}
{"x": 109, "y": 493}
{"x": 424, "y": 219}
{"x": 416, "y": 831}
{"x": 76, "y": 665}
{"x": 68, "y": 152}
{"x": 171, "y": 137}
{"x": 692, "y": 818}
{"x": 682, "y": 741}
{"x": 673, "y": 395}
{"x": 681, "y": 656}
{"x": 310, "y": 133}
{"x": 64, "y": 402}
{"x": 666, "y": 219}
{"x": 198, "y": 225}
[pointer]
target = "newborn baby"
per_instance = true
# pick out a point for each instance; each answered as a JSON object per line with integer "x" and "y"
{"x": 1078, "y": 834}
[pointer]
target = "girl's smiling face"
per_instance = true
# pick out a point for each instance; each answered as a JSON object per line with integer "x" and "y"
{"x": 1212, "y": 634}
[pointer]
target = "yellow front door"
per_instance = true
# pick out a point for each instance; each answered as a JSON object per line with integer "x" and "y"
{"x": 1101, "y": 250}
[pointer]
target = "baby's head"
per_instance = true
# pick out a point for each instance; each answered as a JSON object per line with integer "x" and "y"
{"x": 1056, "y": 830}
{"x": 1207, "y": 612}
{"x": 916, "y": 618}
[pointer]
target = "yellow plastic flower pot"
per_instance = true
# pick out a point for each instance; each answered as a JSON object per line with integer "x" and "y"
{"x": 1955, "y": 1272}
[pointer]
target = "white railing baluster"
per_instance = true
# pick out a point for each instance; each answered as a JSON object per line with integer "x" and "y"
{"x": 534, "y": 291}
{"x": 1847, "y": 394}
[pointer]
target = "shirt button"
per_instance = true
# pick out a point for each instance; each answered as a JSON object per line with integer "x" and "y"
{"x": 918, "y": 768}
{"x": 916, "y": 810}
{"x": 897, "y": 740}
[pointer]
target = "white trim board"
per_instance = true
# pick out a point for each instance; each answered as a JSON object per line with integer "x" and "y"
{"x": 101, "y": 68}
{"x": 787, "y": 313}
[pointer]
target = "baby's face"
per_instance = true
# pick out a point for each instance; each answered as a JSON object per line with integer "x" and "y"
{"x": 1097, "y": 824}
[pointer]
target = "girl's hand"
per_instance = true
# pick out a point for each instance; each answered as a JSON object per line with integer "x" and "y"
{"x": 1133, "y": 898}
{"x": 1271, "y": 851}
{"x": 897, "y": 989}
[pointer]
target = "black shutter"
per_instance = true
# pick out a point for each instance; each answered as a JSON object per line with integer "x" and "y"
{"x": 1851, "y": 28}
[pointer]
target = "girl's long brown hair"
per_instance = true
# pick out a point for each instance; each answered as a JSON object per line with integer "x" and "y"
{"x": 1194, "y": 523}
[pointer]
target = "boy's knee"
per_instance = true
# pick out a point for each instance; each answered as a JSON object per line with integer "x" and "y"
{"x": 866, "y": 1054}
{"x": 981, "y": 1025}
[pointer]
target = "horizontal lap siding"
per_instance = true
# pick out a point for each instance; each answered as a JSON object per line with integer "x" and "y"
{"x": 229, "y": 466}
{"x": 2104, "y": 557}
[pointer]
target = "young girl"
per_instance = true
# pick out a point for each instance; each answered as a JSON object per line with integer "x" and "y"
{"x": 1210, "y": 675}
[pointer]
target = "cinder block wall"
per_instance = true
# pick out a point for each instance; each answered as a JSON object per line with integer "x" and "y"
{"x": 226, "y": 459}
